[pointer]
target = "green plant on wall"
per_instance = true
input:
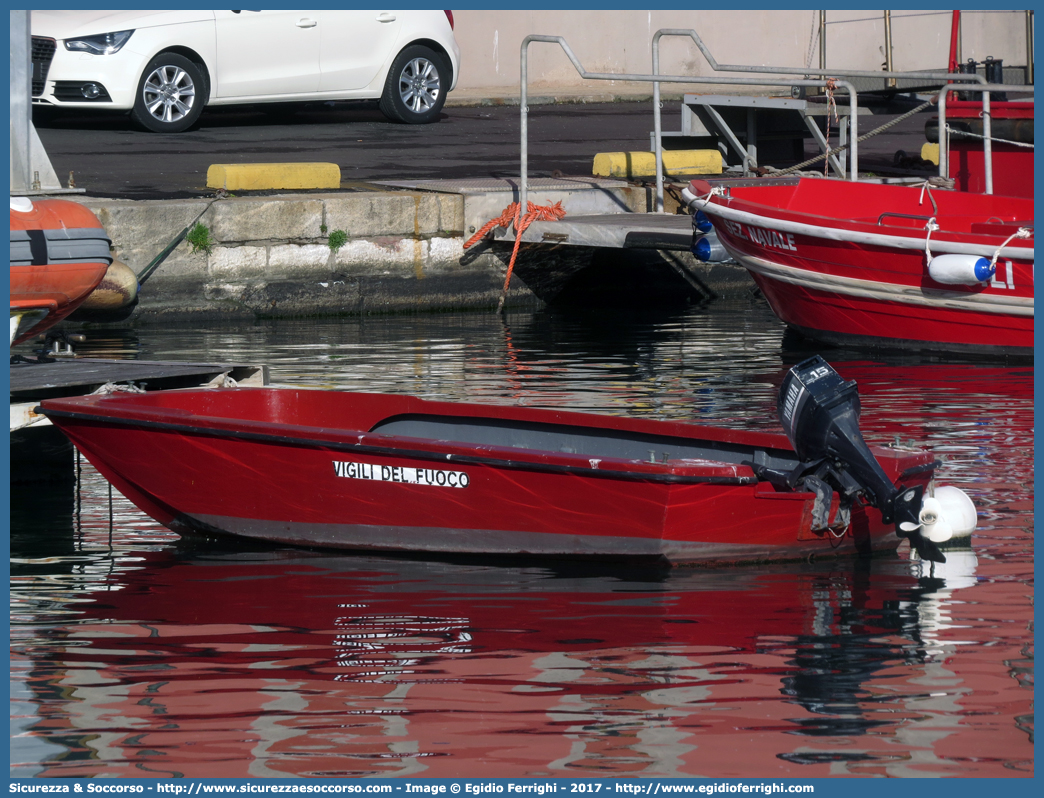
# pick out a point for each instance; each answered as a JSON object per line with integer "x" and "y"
{"x": 337, "y": 239}
{"x": 199, "y": 239}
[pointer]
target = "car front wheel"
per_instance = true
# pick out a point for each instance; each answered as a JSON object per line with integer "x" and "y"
{"x": 171, "y": 94}
{"x": 415, "y": 90}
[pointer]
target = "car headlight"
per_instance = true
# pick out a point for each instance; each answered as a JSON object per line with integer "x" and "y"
{"x": 100, "y": 44}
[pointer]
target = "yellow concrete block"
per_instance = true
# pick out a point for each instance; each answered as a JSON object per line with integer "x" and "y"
{"x": 930, "y": 152}
{"x": 260, "y": 176}
{"x": 643, "y": 164}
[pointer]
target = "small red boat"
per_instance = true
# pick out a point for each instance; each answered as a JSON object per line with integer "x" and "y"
{"x": 59, "y": 255}
{"x": 386, "y": 472}
{"x": 882, "y": 265}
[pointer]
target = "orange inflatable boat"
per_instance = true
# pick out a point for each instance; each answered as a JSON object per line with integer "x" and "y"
{"x": 59, "y": 255}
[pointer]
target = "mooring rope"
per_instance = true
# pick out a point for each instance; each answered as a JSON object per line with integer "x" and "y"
{"x": 831, "y": 84}
{"x": 920, "y": 201}
{"x": 1022, "y": 232}
{"x": 862, "y": 138}
{"x": 950, "y": 131}
{"x": 931, "y": 227}
{"x": 812, "y": 37}
{"x": 534, "y": 212}
{"x": 112, "y": 387}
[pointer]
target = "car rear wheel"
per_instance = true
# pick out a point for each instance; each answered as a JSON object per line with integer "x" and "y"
{"x": 415, "y": 90}
{"x": 171, "y": 94}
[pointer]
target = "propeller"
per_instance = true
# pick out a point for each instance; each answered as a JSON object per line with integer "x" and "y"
{"x": 950, "y": 512}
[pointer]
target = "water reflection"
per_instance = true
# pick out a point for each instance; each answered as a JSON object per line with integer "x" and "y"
{"x": 604, "y": 361}
{"x": 146, "y": 654}
{"x": 137, "y": 653}
{"x": 368, "y": 666}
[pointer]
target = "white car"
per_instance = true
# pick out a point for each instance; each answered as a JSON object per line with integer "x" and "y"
{"x": 165, "y": 66}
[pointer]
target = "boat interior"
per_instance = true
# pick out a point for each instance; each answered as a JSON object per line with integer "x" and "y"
{"x": 571, "y": 439}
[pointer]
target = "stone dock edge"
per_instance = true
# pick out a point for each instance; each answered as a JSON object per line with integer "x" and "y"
{"x": 326, "y": 253}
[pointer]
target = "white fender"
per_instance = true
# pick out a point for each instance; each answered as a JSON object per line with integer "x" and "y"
{"x": 960, "y": 269}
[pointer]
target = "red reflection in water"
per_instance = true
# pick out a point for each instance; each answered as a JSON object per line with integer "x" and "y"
{"x": 326, "y": 666}
{"x": 199, "y": 661}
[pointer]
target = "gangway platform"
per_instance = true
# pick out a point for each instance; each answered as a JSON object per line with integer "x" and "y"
{"x": 600, "y": 212}
{"x": 670, "y": 232}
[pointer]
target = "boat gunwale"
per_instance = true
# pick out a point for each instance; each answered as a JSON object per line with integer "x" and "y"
{"x": 672, "y": 472}
{"x": 122, "y": 405}
{"x": 124, "y": 408}
{"x": 890, "y": 293}
{"x": 834, "y": 228}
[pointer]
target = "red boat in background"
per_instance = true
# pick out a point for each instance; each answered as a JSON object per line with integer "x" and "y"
{"x": 1011, "y": 146}
{"x": 964, "y": 133}
{"x": 59, "y": 255}
{"x": 397, "y": 473}
{"x": 882, "y": 265}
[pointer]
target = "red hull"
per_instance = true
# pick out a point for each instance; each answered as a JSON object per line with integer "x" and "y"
{"x": 59, "y": 255}
{"x": 862, "y": 277}
{"x": 351, "y": 471}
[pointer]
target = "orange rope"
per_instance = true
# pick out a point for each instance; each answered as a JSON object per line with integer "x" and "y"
{"x": 543, "y": 213}
{"x": 506, "y": 218}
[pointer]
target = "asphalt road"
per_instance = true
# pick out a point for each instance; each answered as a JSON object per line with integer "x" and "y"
{"x": 110, "y": 158}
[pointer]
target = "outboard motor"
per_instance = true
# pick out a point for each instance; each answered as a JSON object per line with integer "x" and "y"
{"x": 820, "y": 415}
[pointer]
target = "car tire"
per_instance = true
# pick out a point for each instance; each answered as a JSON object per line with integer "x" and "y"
{"x": 416, "y": 86}
{"x": 171, "y": 94}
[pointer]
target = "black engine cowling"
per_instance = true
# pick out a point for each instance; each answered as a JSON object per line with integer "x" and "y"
{"x": 819, "y": 412}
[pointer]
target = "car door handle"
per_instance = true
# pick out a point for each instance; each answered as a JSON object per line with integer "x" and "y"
{"x": 306, "y": 23}
{"x": 385, "y": 17}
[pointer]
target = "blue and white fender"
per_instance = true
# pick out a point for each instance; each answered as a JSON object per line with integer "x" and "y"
{"x": 955, "y": 269}
{"x": 708, "y": 249}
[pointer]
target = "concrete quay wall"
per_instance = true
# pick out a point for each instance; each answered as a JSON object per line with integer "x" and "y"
{"x": 271, "y": 256}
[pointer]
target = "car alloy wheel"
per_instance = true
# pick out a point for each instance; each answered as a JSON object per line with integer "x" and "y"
{"x": 419, "y": 85}
{"x": 171, "y": 94}
{"x": 415, "y": 90}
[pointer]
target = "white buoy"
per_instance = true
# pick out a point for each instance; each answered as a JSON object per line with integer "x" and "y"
{"x": 960, "y": 269}
{"x": 958, "y": 510}
{"x": 118, "y": 289}
{"x": 949, "y": 514}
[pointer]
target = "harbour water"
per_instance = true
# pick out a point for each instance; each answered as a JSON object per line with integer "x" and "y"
{"x": 136, "y": 653}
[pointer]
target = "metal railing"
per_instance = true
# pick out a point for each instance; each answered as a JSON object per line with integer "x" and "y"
{"x": 656, "y": 79}
{"x": 804, "y": 71}
{"x": 848, "y": 73}
{"x": 987, "y": 125}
